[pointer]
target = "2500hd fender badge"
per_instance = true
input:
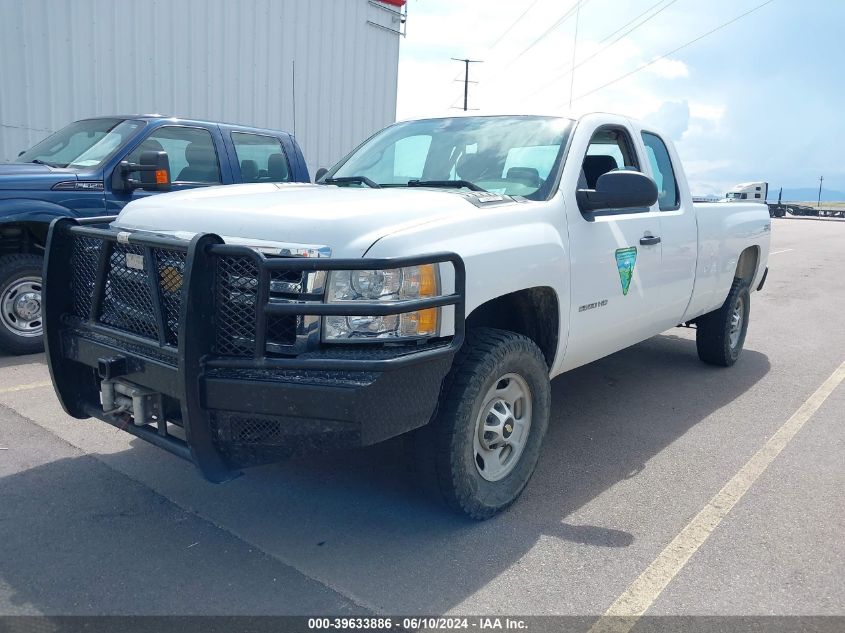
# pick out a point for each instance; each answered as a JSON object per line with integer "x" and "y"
{"x": 590, "y": 306}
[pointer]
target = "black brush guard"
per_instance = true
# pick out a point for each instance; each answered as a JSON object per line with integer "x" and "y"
{"x": 160, "y": 326}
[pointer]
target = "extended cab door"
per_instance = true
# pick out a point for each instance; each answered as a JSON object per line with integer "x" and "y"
{"x": 194, "y": 152}
{"x": 678, "y": 229}
{"x": 615, "y": 254}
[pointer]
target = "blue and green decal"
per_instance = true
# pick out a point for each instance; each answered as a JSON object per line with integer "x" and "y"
{"x": 626, "y": 259}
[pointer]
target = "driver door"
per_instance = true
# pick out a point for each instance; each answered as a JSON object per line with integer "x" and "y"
{"x": 615, "y": 256}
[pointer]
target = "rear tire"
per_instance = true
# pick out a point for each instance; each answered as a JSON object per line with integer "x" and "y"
{"x": 20, "y": 304}
{"x": 720, "y": 335}
{"x": 479, "y": 452}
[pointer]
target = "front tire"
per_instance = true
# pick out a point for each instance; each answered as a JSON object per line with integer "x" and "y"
{"x": 720, "y": 335}
{"x": 21, "y": 324}
{"x": 482, "y": 447}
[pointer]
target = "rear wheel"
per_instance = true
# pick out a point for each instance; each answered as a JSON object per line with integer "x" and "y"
{"x": 21, "y": 324}
{"x": 481, "y": 449}
{"x": 720, "y": 335}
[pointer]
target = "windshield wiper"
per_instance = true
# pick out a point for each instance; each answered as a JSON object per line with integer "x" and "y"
{"x": 358, "y": 180}
{"x": 38, "y": 161}
{"x": 460, "y": 184}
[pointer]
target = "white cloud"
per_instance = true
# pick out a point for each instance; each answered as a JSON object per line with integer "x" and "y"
{"x": 668, "y": 68}
{"x": 708, "y": 111}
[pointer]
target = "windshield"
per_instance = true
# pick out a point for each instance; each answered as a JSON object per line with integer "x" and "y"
{"x": 81, "y": 144}
{"x": 515, "y": 155}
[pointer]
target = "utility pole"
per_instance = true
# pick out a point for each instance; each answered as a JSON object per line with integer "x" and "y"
{"x": 467, "y": 82}
{"x": 821, "y": 180}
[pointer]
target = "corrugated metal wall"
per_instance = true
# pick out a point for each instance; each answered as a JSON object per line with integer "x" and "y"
{"x": 227, "y": 60}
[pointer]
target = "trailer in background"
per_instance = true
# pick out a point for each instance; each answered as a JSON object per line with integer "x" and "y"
{"x": 779, "y": 209}
{"x": 758, "y": 192}
{"x": 823, "y": 212}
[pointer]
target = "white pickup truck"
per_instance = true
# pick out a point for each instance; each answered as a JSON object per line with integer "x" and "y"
{"x": 431, "y": 283}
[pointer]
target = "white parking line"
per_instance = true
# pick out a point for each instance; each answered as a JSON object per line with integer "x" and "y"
{"x": 786, "y": 250}
{"x": 641, "y": 594}
{"x": 32, "y": 385}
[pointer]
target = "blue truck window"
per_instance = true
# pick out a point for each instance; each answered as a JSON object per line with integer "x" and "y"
{"x": 260, "y": 158}
{"x": 190, "y": 150}
{"x": 82, "y": 144}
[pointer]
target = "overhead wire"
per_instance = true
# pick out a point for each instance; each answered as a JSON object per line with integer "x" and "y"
{"x": 579, "y": 4}
{"x": 671, "y": 52}
{"x": 509, "y": 28}
{"x": 609, "y": 35}
{"x": 578, "y": 65}
{"x": 512, "y": 25}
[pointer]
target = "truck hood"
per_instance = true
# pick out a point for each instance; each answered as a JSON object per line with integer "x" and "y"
{"x": 31, "y": 176}
{"x": 346, "y": 219}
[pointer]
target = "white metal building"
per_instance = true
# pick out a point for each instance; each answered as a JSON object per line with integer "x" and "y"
{"x": 325, "y": 70}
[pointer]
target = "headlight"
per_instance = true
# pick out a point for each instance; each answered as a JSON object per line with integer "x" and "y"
{"x": 393, "y": 285}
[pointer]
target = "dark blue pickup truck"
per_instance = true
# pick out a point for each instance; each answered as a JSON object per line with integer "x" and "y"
{"x": 90, "y": 168}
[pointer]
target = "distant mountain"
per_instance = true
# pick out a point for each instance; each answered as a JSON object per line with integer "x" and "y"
{"x": 805, "y": 194}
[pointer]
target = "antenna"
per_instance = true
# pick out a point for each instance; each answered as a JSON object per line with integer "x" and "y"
{"x": 293, "y": 90}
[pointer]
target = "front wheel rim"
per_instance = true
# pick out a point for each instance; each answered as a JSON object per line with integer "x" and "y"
{"x": 737, "y": 317}
{"x": 502, "y": 427}
{"x": 20, "y": 307}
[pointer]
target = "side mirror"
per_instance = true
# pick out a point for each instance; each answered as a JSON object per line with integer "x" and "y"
{"x": 154, "y": 169}
{"x": 619, "y": 190}
{"x": 320, "y": 173}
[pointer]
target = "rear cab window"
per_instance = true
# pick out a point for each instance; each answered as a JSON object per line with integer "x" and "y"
{"x": 261, "y": 158}
{"x": 668, "y": 195}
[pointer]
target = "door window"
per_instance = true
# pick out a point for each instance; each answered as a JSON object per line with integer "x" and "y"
{"x": 190, "y": 150}
{"x": 609, "y": 149}
{"x": 668, "y": 197}
{"x": 261, "y": 158}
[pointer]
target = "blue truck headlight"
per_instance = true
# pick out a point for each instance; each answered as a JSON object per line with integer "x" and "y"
{"x": 396, "y": 285}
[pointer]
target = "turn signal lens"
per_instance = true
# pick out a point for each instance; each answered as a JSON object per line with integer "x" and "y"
{"x": 428, "y": 280}
{"x": 161, "y": 177}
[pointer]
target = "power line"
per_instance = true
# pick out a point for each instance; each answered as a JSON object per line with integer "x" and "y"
{"x": 513, "y": 24}
{"x": 672, "y": 52}
{"x": 560, "y": 21}
{"x": 575, "y": 66}
{"x": 607, "y": 37}
{"x": 574, "y": 51}
{"x": 626, "y": 33}
{"x": 563, "y": 18}
{"x": 502, "y": 36}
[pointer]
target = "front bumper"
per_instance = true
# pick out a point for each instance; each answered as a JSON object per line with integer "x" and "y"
{"x": 225, "y": 406}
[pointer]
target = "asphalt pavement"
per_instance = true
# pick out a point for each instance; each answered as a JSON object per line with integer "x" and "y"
{"x": 93, "y": 521}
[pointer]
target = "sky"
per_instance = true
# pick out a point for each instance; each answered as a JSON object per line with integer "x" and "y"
{"x": 761, "y": 99}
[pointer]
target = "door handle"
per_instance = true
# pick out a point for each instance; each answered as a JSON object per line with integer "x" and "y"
{"x": 649, "y": 240}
